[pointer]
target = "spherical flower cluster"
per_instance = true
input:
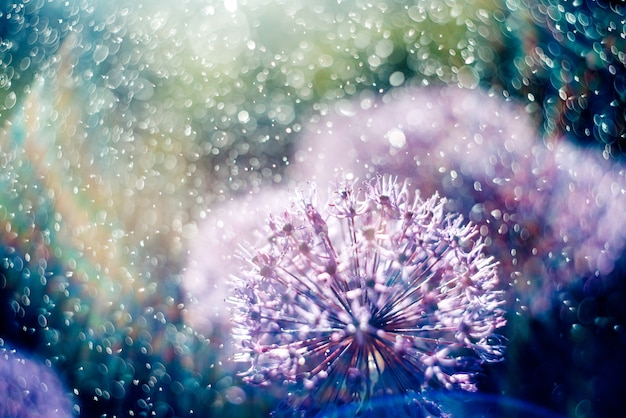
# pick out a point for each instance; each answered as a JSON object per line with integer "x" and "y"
{"x": 378, "y": 293}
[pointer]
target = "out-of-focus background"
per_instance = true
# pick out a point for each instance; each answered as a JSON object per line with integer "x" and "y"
{"x": 141, "y": 142}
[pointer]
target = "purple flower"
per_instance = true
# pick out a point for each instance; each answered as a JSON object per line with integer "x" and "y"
{"x": 477, "y": 150}
{"x": 546, "y": 212}
{"x": 211, "y": 257}
{"x": 30, "y": 389}
{"x": 378, "y": 293}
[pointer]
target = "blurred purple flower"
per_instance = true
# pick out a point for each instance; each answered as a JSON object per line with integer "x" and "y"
{"x": 29, "y": 389}
{"x": 211, "y": 259}
{"x": 547, "y": 212}
{"x": 585, "y": 212}
{"x": 475, "y": 149}
{"x": 378, "y": 293}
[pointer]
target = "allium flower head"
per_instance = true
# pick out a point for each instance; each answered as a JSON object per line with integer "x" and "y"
{"x": 377, "y": 293}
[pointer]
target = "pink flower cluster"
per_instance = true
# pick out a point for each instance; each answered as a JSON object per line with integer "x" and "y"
{"x": 376, "y": 293}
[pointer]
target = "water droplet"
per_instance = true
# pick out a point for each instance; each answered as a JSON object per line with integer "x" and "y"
{"x": 235, "y": 395}
{"x": 143, "y": 89}
{"x": 230, "y": 5}
{"x": 243, "y": 116}
{"x": 583, "y": 408}
{"x": 9, "y": 100}
{"x": 468, "y": 78}
{"x": 396, "y": 79}
{"x": 325, "y": 60}
{"x": 117, "y": 390}
{"x": 396, "y": 138}
{"x": 384, "y": 48}
{"x": 587, "y": 310}
{"x": 100, "y": 53}
{"x": 418, "y": 14}
{"x": 25, "y": 64}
